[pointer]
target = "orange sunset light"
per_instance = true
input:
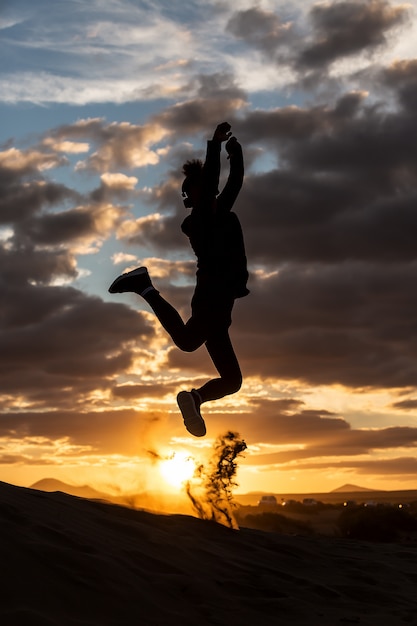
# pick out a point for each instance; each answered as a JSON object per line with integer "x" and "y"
{"x": 177, "y": 469}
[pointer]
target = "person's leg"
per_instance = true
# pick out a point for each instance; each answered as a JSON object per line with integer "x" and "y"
{"x": 224, "y": 358}
{"x": 186, "y": 336}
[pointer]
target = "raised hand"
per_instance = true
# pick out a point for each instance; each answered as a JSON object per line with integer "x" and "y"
{"x": 222, "y": 132}
{"x": 231, "y": 146}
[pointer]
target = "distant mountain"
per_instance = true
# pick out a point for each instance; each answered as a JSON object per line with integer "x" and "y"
{"x": 153, "y": 501}
{"x": 82, "y": 491}
{"x": 351, "y": 488}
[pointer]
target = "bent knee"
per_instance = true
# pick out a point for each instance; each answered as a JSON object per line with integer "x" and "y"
{"x": 235, "y": 384}
{"x": 186, "y": 345}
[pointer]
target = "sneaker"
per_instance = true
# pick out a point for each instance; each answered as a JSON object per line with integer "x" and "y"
{"x": 190, "y": 409}
{"x": 136, "y": 281}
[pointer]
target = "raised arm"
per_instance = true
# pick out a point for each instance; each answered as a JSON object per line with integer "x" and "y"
{"x": 211, "y": 169}
{"x": 228, "y": 196}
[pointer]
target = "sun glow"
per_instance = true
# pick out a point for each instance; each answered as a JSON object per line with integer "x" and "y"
{"x": 177, "y": 468}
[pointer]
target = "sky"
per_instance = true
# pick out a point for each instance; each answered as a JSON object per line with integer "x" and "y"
{"x": 101, "y": 102}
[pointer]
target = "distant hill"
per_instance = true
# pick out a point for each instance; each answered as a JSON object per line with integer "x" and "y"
{"x": 153, "y": 501}
{"x": 82, "y": 491}
{"x": 348, "y": 488}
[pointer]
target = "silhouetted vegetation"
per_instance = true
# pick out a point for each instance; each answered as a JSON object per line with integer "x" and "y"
{"x": 366, "y": 521}
{"x": 274, "y": 523}
{"x": 218, "y": 480}
{"x": 376, "y": 523}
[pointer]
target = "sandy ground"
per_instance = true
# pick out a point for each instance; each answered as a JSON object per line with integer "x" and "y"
{"x": 70, "y": 561}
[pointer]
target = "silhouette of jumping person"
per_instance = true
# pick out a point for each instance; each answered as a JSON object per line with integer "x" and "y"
{"x": 216, "y": 237}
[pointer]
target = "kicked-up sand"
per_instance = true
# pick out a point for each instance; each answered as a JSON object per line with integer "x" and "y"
{"x": 68, "y": 561}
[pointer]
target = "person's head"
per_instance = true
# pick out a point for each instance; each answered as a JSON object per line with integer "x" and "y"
{"x": 191, "y": 187}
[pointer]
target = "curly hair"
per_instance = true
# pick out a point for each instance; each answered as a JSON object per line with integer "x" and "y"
{"x": 192, "y": 171}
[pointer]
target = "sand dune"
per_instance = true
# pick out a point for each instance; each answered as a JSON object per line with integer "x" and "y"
{"x": 68, "y": 561}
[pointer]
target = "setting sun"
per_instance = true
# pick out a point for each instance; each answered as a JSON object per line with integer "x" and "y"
{"x": 177, "y": 468}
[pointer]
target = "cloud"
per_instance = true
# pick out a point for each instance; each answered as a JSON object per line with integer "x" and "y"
{"x": 119, "y": 144}
{"x": 124, "y": 53}
{"x": 406, "y": 405}
{"x": 29, "y": 161}
{"x": 119, "y": 181}
{"x": 70, "y": 147}
{"x": 327, "y": 208}
{"x": 59, "y": 347}
{"x": 133, "y": 392}
{"x": 334, "y": 225}
{"x": 345, "y": 28}
{"x": 319, "y": 46}
{"x": 262, "y": 29}
{"x": 402, "y": 77}
{"x": 83, "y": 224}
{"x": 93, "y": 434}
{"x": 66, "y": 347}
{"x": 401, "y": 467}
{"x": 279, "y": 433}
{"x": 86, "y": 48}
{"x": 349, "y": 324}
{"x": 213, "y": 96}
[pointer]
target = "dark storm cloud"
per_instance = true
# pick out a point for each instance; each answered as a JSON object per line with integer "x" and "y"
{"x": 345, "y": 28}
{"x": 217, "y": 97}
{"x": 355, "y": 139}
{"x": 308, "y": 435}
{"x": 66, "y": 226}
{"x": 23, "y": 187}
{"x": 336, "y": 225}
{"x": 29, "y": 203}
{"x": 331, "y": 226}
{"x": 314, "y": 439}
{"x": 22, "y": 264}
{"x": 57, "y": 345}
{"x": 402, "y": 76}
{"x": 351, "y": 324}
{"x": 132, "y": 391}
{"x": 163, "y": 234}
{"x": 334, "y": 31}
{"x": 18, "y": 202}
{"x": 404, "y": 467}
{"x": 345, "y": 188}
{"x": 65, "y": 346}
{"x": 406, "y": 405}
{"x": 103, "y": 432}
{"x": 262, "y": 29}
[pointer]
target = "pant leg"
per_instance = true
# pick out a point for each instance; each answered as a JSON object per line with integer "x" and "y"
{"x": 208, "y": 324}
{"x": 186, "y": 336}
{"x": 224, "y": 358}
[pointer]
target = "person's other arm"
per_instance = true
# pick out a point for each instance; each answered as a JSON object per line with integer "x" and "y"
{"x": 211, "y": 169}
{"x": 228, "y": 196}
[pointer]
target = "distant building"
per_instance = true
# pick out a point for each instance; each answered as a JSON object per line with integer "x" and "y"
{"x": 267, "y": 501}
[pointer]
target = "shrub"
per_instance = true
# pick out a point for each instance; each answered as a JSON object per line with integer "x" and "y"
{"x": 275, "y": 523}
{"x": 380, "y": 523}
